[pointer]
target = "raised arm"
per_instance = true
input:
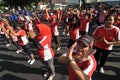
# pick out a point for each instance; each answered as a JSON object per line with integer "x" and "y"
{"x": 78, "y": 72}
{"x": 11, "y": 29}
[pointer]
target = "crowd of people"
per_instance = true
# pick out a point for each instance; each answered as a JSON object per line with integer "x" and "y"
{"x": 92, "y": 32}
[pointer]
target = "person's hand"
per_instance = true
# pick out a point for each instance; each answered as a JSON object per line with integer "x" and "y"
{"x": 106, "y": 41}
{"x": 6, "y": 21}
{"x": 70, "y": 51}
{"x": 1, "y": 26}
{"x": 10, "y": 28}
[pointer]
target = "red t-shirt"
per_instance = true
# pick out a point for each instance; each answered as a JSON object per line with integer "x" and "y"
{"x": 54, "y": 28}
{"x": 74, "y": 33}
{"x": 44, "y": 31}
{"x": 88, "y": 67}
{"x": 22, "y": 39}
{"x": 110, "y": 34}
{"x": 45, "y": 37}
{"x": 84, "y": 25}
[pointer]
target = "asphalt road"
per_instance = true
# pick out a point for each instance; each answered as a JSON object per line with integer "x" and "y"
{"x": 14, "y": 66}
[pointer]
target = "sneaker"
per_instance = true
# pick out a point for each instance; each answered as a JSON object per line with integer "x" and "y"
{"x": 46, "y": 74}
{"x": 18, "y": 51}
{"x": 29, "y": 61}
{"x": 32, "y": 61}
{"x": 67, "y": 34}
{"x": 51, "y": 77}
{"x": 63, "y": 33}
{"x": 8, "y": 44}
{"x": 58, "y": 48}
{"x": 101, "y": 70}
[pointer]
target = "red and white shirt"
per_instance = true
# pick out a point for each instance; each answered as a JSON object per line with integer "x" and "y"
{"x": 85, "y": 25}
{"x": 74, "y": 33}
{"x": 88, "y": 67}
{"x": 22, "y": 39}
{"x": 54, "y": 28}
{"x": 110, "y": 34}
{"x": 44, "y": 39}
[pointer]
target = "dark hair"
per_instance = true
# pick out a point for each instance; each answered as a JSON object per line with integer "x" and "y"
{"x": 87, "y": 14}
{"x": 108, "y": 16}
{"x": 21, "y": 25}
{"x": 78, "y": 20}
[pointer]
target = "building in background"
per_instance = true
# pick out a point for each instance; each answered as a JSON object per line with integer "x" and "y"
{"x": 67, "y": 2}
{"x": 58, "y": 3}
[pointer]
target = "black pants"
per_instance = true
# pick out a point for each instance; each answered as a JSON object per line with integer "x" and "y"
{"x": 17, "y": 45}
{"x": 26, "y": 48}
{"x": 101, "y": 54}
{"x": 6, "y": 39}
{"x": 57, "y": 41}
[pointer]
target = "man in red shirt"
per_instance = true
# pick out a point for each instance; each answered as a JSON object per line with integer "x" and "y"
{"x": 80, "y": 58}
{"x": 45, "y": 51}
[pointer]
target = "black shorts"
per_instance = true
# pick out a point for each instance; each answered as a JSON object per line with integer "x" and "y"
{"x": 27, "y": 49}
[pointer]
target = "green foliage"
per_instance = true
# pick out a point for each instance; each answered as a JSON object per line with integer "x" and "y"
{"x": 1, "y": 8}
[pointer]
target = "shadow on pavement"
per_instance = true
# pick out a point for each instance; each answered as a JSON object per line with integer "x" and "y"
{"x": 10, "y": 77}
{"x": 107, "y": 75}
{"x": 19, "y": 68}
{"x": 113, "y": 59}
{"x": 10, "y": 57}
